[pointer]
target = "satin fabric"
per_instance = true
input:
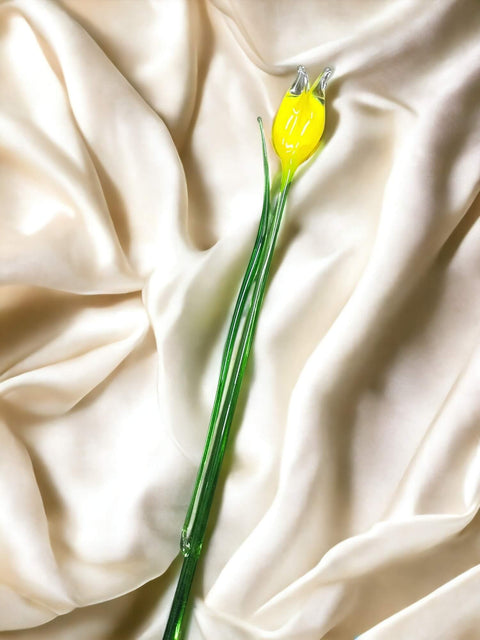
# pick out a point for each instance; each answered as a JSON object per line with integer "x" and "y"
{"x": 130, "y": 190}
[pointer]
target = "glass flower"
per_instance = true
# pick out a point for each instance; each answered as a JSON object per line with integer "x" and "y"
{"x": 300, "y": 121}
{"x": 297, "y": 130}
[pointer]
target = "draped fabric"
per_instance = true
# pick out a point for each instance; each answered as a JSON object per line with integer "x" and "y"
{"x": 130, "y": 192}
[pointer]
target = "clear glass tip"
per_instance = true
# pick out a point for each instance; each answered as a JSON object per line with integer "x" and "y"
{"x": 301, "y": 81}
{"x": 324, "y": 78}
{"x": 320, "y": 84}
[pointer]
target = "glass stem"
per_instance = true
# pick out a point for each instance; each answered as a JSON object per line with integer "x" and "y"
{"x": 176, "y": 618}
{"x": 234, "y": 363}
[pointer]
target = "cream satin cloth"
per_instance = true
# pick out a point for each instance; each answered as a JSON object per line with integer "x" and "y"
{"x": 130, "y": 191}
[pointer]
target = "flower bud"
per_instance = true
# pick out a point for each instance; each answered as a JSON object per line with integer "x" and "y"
{"x": 300, "y": 121}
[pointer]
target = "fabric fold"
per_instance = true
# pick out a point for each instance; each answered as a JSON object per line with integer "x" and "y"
{"x": 130, "y": 193}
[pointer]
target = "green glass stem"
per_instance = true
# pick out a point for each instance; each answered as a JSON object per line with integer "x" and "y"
{"x": 231, "y": 346}
{"x": 234, "y": 361}
{"x": 197, "y": 517}
{"x": 176, "y": 618}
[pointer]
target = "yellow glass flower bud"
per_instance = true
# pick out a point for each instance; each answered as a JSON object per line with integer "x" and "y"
{"x": 300, "y": 121}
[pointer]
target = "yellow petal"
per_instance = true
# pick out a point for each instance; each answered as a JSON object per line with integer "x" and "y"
{"x": 300, "y": 121}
